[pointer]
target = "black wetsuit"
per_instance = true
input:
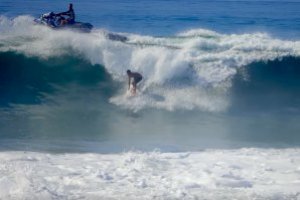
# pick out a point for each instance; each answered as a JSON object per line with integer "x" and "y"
{"x": 137, "y": 79}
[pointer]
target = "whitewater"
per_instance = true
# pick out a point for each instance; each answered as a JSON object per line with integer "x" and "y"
{"x": 210, "y": 174}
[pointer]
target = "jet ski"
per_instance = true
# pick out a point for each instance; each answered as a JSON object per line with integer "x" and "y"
{"x": 54, "y": 21}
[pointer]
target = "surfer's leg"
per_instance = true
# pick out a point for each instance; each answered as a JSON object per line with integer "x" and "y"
{"x": 136, "y": 82}
{"x": 133, "y": 87}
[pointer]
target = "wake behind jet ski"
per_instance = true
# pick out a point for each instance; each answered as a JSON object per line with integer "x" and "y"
{"x": 59, "y": 21}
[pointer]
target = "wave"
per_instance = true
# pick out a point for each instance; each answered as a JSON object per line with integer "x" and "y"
{"x": 26, "y": 79}
{"x": 195, "y": 69}
{"x": 272, "y": 85}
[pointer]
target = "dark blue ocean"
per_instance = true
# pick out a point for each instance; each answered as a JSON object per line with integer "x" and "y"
{"x": 217, "y": 74}
{"x": 157, "y": 17}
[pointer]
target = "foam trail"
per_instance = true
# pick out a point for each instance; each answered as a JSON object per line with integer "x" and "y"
{"x": 191, "y": 70}
{"x": 211, "y": 174}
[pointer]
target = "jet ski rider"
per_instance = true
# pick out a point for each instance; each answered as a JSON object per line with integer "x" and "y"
{"x": 70, "y": 13}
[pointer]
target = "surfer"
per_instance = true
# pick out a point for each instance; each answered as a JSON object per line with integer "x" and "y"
{"x": 137, "y": 77}
{"x": 70, "y": 13}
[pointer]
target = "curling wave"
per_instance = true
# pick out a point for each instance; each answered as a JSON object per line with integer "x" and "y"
{"x": 191, "y": 70}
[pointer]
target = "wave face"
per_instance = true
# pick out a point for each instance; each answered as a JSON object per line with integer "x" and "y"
{"x": 271, "y": 86}
{"x": 24, "y": 80}
{"x": 191, "y": 70}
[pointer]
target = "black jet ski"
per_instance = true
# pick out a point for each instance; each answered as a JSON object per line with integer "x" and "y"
{"x": 54, "y": 21}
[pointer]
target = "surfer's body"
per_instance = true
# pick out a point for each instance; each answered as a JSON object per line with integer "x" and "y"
{"x": 137, "y": 77}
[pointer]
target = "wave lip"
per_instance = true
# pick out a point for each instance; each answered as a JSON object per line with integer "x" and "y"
{"x": 211, "y": 174}
{"x": 186, "y": 71}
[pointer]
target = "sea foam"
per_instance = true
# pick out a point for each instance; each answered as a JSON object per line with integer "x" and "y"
{"x": 249, "y": 173}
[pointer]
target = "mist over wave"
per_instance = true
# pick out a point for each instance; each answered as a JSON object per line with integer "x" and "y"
{"x": 190, "y": 70}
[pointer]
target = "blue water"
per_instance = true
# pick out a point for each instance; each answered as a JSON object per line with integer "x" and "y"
{"x": 65, "y": 102}
{"x": 159, "y": 17}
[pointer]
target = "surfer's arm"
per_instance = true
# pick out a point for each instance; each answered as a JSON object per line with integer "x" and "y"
{"x": 63, "y": 13}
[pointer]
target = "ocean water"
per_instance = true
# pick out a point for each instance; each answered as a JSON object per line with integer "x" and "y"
{"x": 217, "y": 115}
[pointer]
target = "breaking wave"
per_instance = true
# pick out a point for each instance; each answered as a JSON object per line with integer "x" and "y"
{"x": 195, "y": 69}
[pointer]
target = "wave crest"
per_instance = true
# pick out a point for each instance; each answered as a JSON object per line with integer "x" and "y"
{"x": 190, "y": 70}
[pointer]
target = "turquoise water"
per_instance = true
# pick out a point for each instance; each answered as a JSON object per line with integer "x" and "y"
{"x": 217, "y": 74}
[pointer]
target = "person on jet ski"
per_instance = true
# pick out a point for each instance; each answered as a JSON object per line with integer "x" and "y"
{"x": 70, "y": 13}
